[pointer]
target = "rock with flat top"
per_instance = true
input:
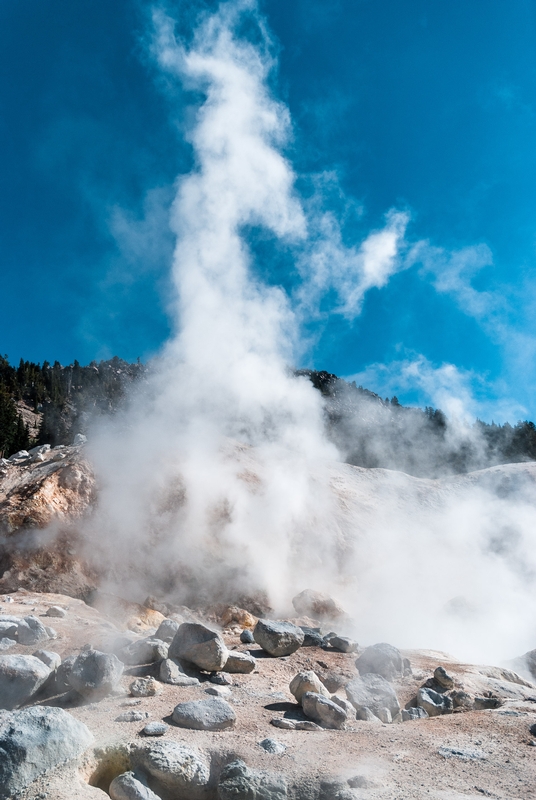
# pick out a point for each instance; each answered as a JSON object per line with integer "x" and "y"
{"x": 240, "y": 663}
{"x": 213, "y": 714}
{"x": 200, "y": 646}
{"x": 278, "y": 638}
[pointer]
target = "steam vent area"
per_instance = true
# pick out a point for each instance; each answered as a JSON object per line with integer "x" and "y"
{"x": 195, "y": 697}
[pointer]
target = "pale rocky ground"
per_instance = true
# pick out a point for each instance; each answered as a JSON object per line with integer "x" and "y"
{"x": 494, "y": 755}
{"x": 462, "y": 755}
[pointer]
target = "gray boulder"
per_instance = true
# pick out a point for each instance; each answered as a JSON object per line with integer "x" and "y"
{"x": 167, "y": 630}
{"x": 155, "y": 729}
{"x": 373, "y": 692}
{"x": 130, "y": 786}
{"x": 199, "y": 645}
{"x": 33, "y": 741}
{"x": 95, "y": 674}
{"x": 242, "y": 663}
{"x": 323, "y": 711}
{"x": 238, "y": 782}
{"x": 31, "y": 630}
{"x": 307, "y": 681}
{"x": 434, "y": 703}
{"x": 312, "y": 637}
{"x": 246, "y": 637}
{"x": 278, "y": 638}
{"x": 272, "y": 746}
{"x": 172, "y": 672}
{"x": 180, "y": 770}
{"x": 213, "y": 714}
{"x": 20, "y": 678}
{"x": 382, "y": 659}
{"x": 344, "y": 644}
{"x": 144, "y": 651}
{"x": 56, "y": 611}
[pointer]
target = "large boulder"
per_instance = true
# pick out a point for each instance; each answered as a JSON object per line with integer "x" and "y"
{"x": 322, "y": 710}
{"x": 372, "y": 692}
{"x": 130, "y": 786}
{"x": 239, "y": 782}
{"x": 213, "y": 714}
{"x": 31, "y": 630}
{"x": 382, "y": 659}
{"x": 33, "y": 741}
{"x": 20, "y": 678}
{"x": 278, "y": 638}
{"x": 240, "y": 662}
{"x": 95, "y": 674}
{"x": 307, "y": 681}
{"x": 167, "y": 630}
{"x": 180, "y": 770}
{"x": 199, "y": 645}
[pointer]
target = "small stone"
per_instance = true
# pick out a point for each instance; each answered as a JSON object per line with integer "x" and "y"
{"x": 434, "y": 703}
{"x": 172, "y": 672}
{"x": 241, "y": 663}
{"x": 272, "y": 746}
{"x": 307, "y": 681}
{"x": 284, "y": 723}
{"x": 213, "y": 714}
{"x": 307, "y": 725}
{"x": 218, "y": 691}
{"x": 409, "y": 714}
{"x": 130, "y": 703}
{"x": 323, "y": 710}
{"x": 55, "y": 611}
{"x": 144, "y": 687}
{"x": 246, "y": 637}
{"x": 278, "y": 638}
{"x": 443, "y": 679}
{"x": 155, "y": 729}
{"x": 344, "y": 644}
{"x": 132, "y": 716}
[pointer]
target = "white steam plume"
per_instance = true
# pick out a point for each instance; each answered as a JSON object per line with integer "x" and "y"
{"x": 217, "y": 479}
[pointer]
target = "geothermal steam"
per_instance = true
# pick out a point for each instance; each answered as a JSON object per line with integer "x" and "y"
{"x": 218, "y": 479}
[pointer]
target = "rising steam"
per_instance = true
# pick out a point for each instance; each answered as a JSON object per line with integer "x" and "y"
{"x": 218, "y": 479}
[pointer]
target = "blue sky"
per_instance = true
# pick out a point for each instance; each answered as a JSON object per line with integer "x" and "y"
{"x": 425, "y": 106}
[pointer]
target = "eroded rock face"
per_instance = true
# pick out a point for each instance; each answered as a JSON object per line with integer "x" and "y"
{"x": 278, "y": 638}
{"x": 199, "y": 645}
{"x": 239, "y": 782}
{"x": 35, "y": 740}
{"x": 179, "y": 769}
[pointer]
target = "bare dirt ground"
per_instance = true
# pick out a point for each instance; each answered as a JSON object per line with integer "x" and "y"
{"x": 462, "y": 755}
